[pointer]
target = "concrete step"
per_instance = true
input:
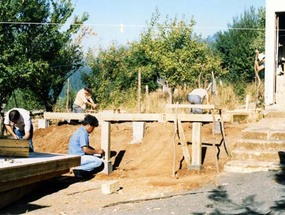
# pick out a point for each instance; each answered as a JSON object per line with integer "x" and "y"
{"x": 251, "y": 166}
{"x": 261, "y": 146}
{"x": 275, "y": 113}
{"x": 265, "y": 134}
{"x": 255, "y": 155}
{"x": 254, "y": 144}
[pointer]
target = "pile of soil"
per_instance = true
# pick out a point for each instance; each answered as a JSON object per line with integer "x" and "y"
{"x": 143, "y": 170}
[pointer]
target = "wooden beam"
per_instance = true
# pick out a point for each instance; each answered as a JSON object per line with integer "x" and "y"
{"x": 173, "y": 106}
{"x": 14, "y": 148}
{"x": 64, "y": 116}
{"x": 37, "y": 164}
{"x": 191, "y": 117}
{"x": 9, "y": 185}
{"x": 22, "y": 187}
{"x": 122, "y": 117}
{"x": 131, "y": 117}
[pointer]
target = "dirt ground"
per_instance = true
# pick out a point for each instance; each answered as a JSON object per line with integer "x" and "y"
{"x": 143, "y": 170}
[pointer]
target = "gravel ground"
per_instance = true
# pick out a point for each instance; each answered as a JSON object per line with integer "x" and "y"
{"x": 246, "y": 193}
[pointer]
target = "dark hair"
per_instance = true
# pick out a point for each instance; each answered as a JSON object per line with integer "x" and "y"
{"x": 91, "y": 120}
{"x": 88, "y": 89}
{"x": 14, "y": 115}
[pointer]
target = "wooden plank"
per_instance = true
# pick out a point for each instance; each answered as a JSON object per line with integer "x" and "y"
{"x": 130, "y": 117}
{"x": 14, "y": 148}
{"x": 17, "y": 174}
{"x": 13, "y": 142}
{"x": 192, "y": 117}
{"x": 22, "y": 187}
{"x": 183, "y": 143}
{"x": 105, "y": 116}
{"x": 14, "y": 152}
{"x": 64, "y": 116}
{"x": 36, "y": 164}
{"x": 135, "y": 117}
{"x": 9, "y": 185}
{"x": 172, "y": 106}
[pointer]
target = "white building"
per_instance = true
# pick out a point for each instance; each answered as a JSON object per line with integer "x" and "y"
{"x": 275, "y": 53}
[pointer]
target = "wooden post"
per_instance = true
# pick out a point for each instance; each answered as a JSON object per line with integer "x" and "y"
{"x": 196, "y": 146}
{"x": 105, "y": 145}
{"x": 1, "y": 125}
{"x": 139, "y": 91}
{"x": 67, "y": 96}
{"x": 147, "y": 98}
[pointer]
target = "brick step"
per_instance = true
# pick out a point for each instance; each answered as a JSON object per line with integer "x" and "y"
{"x": 253, "y": 144}
{"x": 255, "y": 155}
{"x": 251, "y": 166}
{"x": 266, "y": 134}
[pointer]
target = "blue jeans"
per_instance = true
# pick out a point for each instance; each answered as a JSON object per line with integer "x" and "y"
{"x": 89, "y": 163}
{"x": 20, "y": 134}
{"x": 195, "y": 99}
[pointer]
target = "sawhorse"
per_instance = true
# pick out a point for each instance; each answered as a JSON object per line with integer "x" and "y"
{"x": 195, "y": 162}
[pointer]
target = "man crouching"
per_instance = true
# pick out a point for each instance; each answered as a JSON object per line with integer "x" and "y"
{"x": 79, "y": 145}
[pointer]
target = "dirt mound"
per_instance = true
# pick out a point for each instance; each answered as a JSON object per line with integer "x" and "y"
{"x": 143, "y": 168}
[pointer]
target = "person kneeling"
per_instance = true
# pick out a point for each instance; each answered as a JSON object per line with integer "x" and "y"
{"x": 79, "y": 145}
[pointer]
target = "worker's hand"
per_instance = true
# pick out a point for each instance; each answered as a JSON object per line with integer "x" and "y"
{"x": 100, "y": 151}
{"x": 93, "y": 106}
{"x": 15, "y": 137}
{"x": 26, "y": 137}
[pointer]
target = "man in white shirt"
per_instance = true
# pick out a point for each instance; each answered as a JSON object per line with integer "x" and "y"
{"x": 196, "y": 96}
{"x": 18, "y": 123}
{"x": 82, "y": 99}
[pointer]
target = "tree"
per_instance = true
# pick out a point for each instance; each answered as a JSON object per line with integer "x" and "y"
{"x": 170, "y": 50}
{"x": 38, "y": 53}
{"x": 237, "y": 46}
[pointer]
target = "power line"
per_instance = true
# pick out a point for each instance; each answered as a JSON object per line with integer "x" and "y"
{"x": 128, "y": 25}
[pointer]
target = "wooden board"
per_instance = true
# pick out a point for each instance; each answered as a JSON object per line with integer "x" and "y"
{"x": 22, "y": 171}
{"x": 104, "y": 116}
{"x": 14, "y": 148}
{"x": 18, "y": 175}
{"x": 202, "y": 106}
{"x": 111, "y": 117}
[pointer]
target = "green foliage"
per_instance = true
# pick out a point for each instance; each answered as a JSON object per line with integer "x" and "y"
{"x": 237, "y": 47}
{"x": 37, "y": 54}
{"x": 170, "y": 50}
{"x": 23, "y": 99}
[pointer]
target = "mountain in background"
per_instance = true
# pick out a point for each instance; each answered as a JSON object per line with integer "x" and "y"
{"x": 75, "y": 81}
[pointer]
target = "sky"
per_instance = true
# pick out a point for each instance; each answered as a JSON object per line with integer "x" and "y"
{"x": 123, "y": 21}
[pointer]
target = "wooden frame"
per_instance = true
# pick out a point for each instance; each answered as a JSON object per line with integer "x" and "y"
{"x": 105, "y": 120}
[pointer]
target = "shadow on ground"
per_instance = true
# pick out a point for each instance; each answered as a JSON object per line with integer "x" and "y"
{"x": 222, "y": 204}
{"x": 38, "y": 191}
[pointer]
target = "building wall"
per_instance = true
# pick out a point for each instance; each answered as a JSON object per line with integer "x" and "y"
{"x": 272, "y": 84}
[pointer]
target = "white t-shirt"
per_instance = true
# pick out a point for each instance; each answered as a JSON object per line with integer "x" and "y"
{"x": 25, "y": 121}
{"x": 261, "y": 56}
{"x": 199, "y": 92}
{"x": 81, "y": 99}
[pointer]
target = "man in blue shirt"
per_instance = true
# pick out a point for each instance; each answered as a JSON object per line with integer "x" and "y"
{"x": 79, "y": 145}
